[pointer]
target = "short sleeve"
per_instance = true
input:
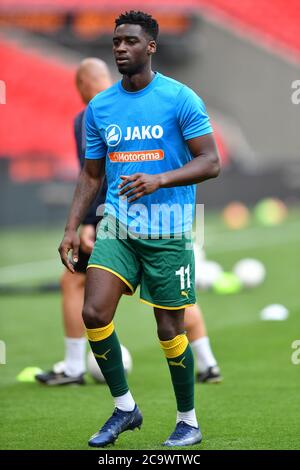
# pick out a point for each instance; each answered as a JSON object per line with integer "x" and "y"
{"x": 192, "y": 115}
{"x": 95, "y": 145}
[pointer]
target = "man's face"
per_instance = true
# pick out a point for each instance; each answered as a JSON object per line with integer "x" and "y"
{"x": 132, "y": 48}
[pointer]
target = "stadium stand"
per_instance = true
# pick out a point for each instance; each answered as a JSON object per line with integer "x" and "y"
{"x": 259, "y": 18}
{"x": 268, "y": 21}
{"x": 36, "y": 122}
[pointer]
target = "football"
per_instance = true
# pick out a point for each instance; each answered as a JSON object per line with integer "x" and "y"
{"x": 250, "y": 272}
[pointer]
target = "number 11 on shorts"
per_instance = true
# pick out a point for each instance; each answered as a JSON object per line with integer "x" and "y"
{"x": 181, "y": 272}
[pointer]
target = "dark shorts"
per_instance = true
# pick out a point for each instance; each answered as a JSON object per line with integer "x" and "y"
{"x": 83, "y": 259}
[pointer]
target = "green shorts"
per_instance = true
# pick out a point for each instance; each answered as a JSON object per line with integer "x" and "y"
{"x": 164, "y": 267}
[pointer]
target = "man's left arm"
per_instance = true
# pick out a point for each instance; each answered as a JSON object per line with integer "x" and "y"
{"x": 204, "y": 165}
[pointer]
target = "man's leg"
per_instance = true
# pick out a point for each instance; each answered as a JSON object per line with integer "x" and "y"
{"x": 206, "y": 364}
{"x": 194, "y": 323}
{"x": 72, "y": 287}
{"x": 71, "y": 370}
{"x": 102, "y": 294}
{"x": 170, "y": 329}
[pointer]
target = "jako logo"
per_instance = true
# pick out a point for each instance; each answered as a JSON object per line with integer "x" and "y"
{"x": 145, "y": 132}
{"x": 113, "y": 135}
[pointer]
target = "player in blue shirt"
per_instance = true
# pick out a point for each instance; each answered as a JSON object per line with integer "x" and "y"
{"x": 93, "y": 77}
{"x": 152, "y": 137}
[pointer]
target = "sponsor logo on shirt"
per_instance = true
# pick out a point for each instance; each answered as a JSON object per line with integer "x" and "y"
{"x": 144, "y": 132}
{"x": 139, "y": 156}
{"x": 113, "y": 133}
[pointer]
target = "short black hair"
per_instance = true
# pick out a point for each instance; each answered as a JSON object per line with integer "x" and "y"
{"x": 149, "y": 24}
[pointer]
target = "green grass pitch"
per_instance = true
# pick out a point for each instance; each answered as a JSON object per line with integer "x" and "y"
{"x": 257, "y": 405}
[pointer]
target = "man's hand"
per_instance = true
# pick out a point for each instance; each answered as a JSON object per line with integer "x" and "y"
{"x": 138, "y": 185}
{"x": 87, "y": 238}
{"x": 70, "y": 241}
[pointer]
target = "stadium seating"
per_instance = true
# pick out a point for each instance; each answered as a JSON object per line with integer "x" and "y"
{"x": 36, "y": 122}
{"x": 257, "y": 16}
{"x": 63, "y": 4}
{"x": 275, "y": 21}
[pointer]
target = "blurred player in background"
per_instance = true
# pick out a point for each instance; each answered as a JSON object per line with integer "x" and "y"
{"x": 93, "y": 77}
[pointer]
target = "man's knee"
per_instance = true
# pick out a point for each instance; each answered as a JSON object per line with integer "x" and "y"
{"x": 167, "y": 332}
{"x": 169, "y": 326}
{"x": 96, "y": 317}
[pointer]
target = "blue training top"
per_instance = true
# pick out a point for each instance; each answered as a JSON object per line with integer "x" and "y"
{"x": 146, "y": 131}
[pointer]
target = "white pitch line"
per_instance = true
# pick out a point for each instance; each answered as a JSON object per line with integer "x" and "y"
{"x": 32, "y": 270}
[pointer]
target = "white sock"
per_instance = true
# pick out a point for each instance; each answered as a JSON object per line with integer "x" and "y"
{"x": 188, "y": 417}
{"x": 125, "y": 402}
{"x": 204, "y": 356}
{"x": 75, "y": 356}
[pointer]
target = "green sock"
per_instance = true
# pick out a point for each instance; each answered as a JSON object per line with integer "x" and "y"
{"x": 181, "y": 364}
{"x": 108, "y": 354}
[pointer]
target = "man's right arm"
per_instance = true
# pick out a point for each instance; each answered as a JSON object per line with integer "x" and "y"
{"x": 89, "y": 181}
